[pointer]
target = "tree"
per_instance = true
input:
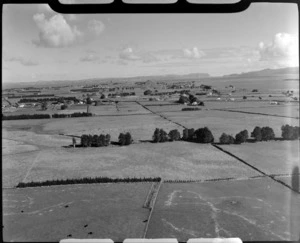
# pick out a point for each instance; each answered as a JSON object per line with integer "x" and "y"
{"x": 256, "y": 134}
{"x": 63, "y": 107}
{"x": 255, "y": 90}
{"x": 84, "y": 140}
{"x": 185, "y": 134}
{"x": 107, "y": 139}
{"x": 102, "y": 96}
{"x": 204, "y": 135}
{"x": 44, "y": 106}
{"x": 183, "y": 99}
{"x": 267, "y": 133}
{"x": 163, "y": 136}
{"x": 102, "y": 141}
{"x": 241, "y": 137}
{"x": 244, "y": 97}
{"x": 156, "y": 136}
{"x": 148, "y": 92}
{"x": 95, "y": 141}
{"x": 191, "y": 134}
{"x": 122, "y": 139}
{"x": 174, "y": 135}
{"x": 88, "y": 101}
{"x": 201, "y": 103}
{"x": 128, "y": 138}
{"x": 226, "y": 139}
{"x": 289, "y": 132}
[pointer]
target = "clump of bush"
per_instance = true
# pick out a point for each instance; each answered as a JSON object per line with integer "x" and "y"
{"x": 160, "y": 136}
{"x": 23, "y": 117}
{"x": 87, "y": 180}
{"x": 267, "y": 134}
{"x": 95, "y": 141}
{"x": 63, "y": 107}
{"x": 125, "y": 139}
{"x": 241, "y": 137}
{"x": 226, "y": 139}
{"x": 188, "y": 134}
{"x": 174, "y": 135}
{"x": 204, "y": 135}
{"x": 256, "y": 134}
{"x": 289, "y": 132}
{"x": 244, "y": 97}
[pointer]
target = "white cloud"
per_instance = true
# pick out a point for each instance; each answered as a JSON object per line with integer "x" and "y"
{"x": 283, "y": 50}
{"x": 90, "y": 57}
{"x": 55, "y": 32}
{"x": 193, "y": 53}
{"x": 96, "y": 27}
{"x": 22, "y": 61}
{"x": 128, "y": 54}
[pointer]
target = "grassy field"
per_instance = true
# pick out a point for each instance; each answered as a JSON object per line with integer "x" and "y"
{"x": 287, "y": 110}
{"x": 78, "y": 211}
{"x": 176, "y": 160}
{"x": 276, "y": 157}
{"x": 258, "y": 209}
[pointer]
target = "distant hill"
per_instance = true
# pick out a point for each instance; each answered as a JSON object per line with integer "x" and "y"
{"x": 293, "y": 71}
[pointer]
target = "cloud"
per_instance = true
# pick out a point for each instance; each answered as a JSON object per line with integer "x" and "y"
{"x": 128, "y": 54}
{"x": 283, "y": 50}
{"x": 193, "y": 53}
{"x": 22, "y": 61}
{"x": 90, "y": 57}
{"x": 144, "y": 56}
{"x": 96, "y": 27}
{"x": 55, "y": 32}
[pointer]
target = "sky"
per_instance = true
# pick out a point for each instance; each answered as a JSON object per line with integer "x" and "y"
{"x": 40, "y": 44}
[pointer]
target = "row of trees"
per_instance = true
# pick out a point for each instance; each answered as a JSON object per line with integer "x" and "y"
{"x": 87, "y": 180}
{"x": 23, "y": 117}
{"x": 103, "y": 140}
{"x": 95, "y": 140}
{"x": 40, "y": 100}
{"x": 201, "y": 135}
{"x": 261, "y": 134}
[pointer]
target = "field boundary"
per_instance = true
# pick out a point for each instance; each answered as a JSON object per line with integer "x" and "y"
{"x": 254, "y": 168}
{"x": 164, "y": 117}
{"x": 151, "y": 207}
{"x": 254, "y": 113}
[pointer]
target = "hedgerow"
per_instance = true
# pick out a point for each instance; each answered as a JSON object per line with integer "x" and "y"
{"x": 23, "y": 117}
{"x": 87, "y": 180}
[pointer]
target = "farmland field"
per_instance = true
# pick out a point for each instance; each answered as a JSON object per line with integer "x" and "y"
{"x": 169, "y": 161}
{"x": 228, "y": 191}
{"x": 249, "y": 209}
{"x": 78, "y": 211}
{"x": 276, "y": 157}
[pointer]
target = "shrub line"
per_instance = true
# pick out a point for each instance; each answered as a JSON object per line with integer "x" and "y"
{"x": 86, "y": 180}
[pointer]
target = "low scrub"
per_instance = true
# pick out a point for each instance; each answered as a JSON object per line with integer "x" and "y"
{"x": 87, "y": 180}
